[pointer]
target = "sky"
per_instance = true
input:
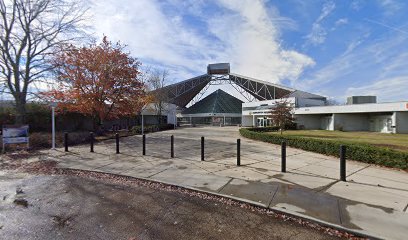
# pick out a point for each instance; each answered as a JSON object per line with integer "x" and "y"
{"x": 333, "y": 48}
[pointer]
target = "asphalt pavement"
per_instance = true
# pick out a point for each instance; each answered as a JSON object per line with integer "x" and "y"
{"x": 72, "y": 207}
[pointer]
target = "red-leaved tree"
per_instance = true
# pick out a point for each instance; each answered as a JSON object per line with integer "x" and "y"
{"x": 282, "y": 114}
{"x": 100, "y": 80}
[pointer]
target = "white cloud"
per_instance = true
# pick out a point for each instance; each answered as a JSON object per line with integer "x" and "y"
{"x": 252, "y": 43}
{"x": 327, "y": 8}
{"x": 388, "y": 89}
{"x": 341, "y": 21}
{"x": 244, "y": 34}
{"x": 356, "y": 5}
{"x": 390, "y": 6}
{"x": 366, "y": 65}
{"x": 318, "y": 34}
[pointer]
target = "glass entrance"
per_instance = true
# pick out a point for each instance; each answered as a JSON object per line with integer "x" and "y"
{"x": 264, "y": 122}
{"x": 260, "y": 122}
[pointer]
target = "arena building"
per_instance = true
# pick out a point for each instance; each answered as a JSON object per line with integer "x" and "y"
{"x": 311, "y": 111}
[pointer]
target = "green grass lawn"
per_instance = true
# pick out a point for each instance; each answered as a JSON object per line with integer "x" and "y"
{"x": 393, "y": 141}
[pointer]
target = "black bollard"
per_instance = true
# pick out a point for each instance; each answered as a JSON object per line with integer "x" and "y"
{"x": 144, "y": 144}
{"x": 283, "y": 154}
{"x": 343, "y": 163}
{"x": 117, "y": 142}
{"x": 66, "y": 141}
{"x": 91, "y": 136}
{"x": 238, "y": 152}
{"x": 172, "y": 146}
{"x": 202, "y": 148}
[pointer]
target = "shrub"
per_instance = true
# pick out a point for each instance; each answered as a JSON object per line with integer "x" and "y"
{"x": 40, "y": 140}
{"x": 356, "y": 151}
{"x": 151, "y": 128}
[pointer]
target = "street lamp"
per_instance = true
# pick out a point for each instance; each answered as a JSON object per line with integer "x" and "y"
{"x": 53, "y": 105}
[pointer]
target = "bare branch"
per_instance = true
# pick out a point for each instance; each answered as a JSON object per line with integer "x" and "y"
{"x": 30, "y": 32}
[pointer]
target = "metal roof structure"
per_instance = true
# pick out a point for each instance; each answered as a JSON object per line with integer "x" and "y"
{"x": 217, "y": 102}
{"x": 192, "y": 90}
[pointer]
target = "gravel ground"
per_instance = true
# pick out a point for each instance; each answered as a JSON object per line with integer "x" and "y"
{"x": 42, "y": 202}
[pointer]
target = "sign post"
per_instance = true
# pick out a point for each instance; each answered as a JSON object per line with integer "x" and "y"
{"x": 53, "y": 105}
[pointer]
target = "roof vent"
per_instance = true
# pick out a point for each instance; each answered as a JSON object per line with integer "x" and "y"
{"x": 218, "y": 68}
{"x": 361, "y": 99}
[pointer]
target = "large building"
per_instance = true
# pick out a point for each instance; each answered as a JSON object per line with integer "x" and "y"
{"x": 188, "y": 94}
{"x": 362, "y": 113}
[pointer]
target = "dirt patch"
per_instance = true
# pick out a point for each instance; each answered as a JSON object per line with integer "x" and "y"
{"x": 36, "y": 167}
{"x": 61, "y": 221}
{"x": 21, "y": 202}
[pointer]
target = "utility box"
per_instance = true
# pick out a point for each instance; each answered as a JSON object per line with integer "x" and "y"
{"x": 361, "y": 99}
{"x": 218, "y": 68}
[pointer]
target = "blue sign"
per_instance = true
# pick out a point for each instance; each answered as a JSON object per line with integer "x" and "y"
{"x": 15, "y": 134}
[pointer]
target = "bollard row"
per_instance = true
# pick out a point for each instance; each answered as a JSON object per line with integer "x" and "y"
{"x": 283, "y": 151}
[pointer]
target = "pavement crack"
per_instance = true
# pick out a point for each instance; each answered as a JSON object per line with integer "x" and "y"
{"x": 158, "y": 172}
{"x": 274, "y": 194}
{"x": 359, "y": 170}
{"x": 325, "y": 187}
{"x": 338, "y": 208}
{"x": 225, "y": 185}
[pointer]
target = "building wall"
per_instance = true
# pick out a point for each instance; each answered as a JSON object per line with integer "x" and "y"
{"x": 306, "y": 102}
{"x": 375, "y": 122}
{"x": 247, "y": 121}
{"x": 381, "y": 123}
{"x": 401, "y": 119}
{"x": 327, "y": 122}
{"x": 355, "y": 108}
{"x": 351, "y": 122}
{"x": 312, "y": 122}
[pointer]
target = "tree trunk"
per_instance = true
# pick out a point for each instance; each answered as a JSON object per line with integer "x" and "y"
{"x": 98, "y": 126}
{"x": 20, "y": 110}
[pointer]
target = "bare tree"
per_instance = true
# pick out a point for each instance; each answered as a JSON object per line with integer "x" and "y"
{"x": 30, "y": 32}
{"x": 157, "y": 80}
{"x": 282, "y": 114}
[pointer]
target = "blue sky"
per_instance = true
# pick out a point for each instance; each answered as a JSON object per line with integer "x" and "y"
{"x": 334, "y": 48}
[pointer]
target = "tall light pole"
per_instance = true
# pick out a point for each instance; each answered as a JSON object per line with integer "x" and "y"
{"x": 53, "y": 105}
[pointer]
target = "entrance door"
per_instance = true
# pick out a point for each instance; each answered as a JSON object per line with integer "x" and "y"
{"x": 326, "y": 121}
{"x": 261, "y": 122}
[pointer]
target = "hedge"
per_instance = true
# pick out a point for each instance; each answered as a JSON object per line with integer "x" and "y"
{"x": 151, "y": 128}
{"x": 355, "y": 151}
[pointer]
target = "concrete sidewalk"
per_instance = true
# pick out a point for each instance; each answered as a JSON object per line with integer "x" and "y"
{"x": 373, "y": 201}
